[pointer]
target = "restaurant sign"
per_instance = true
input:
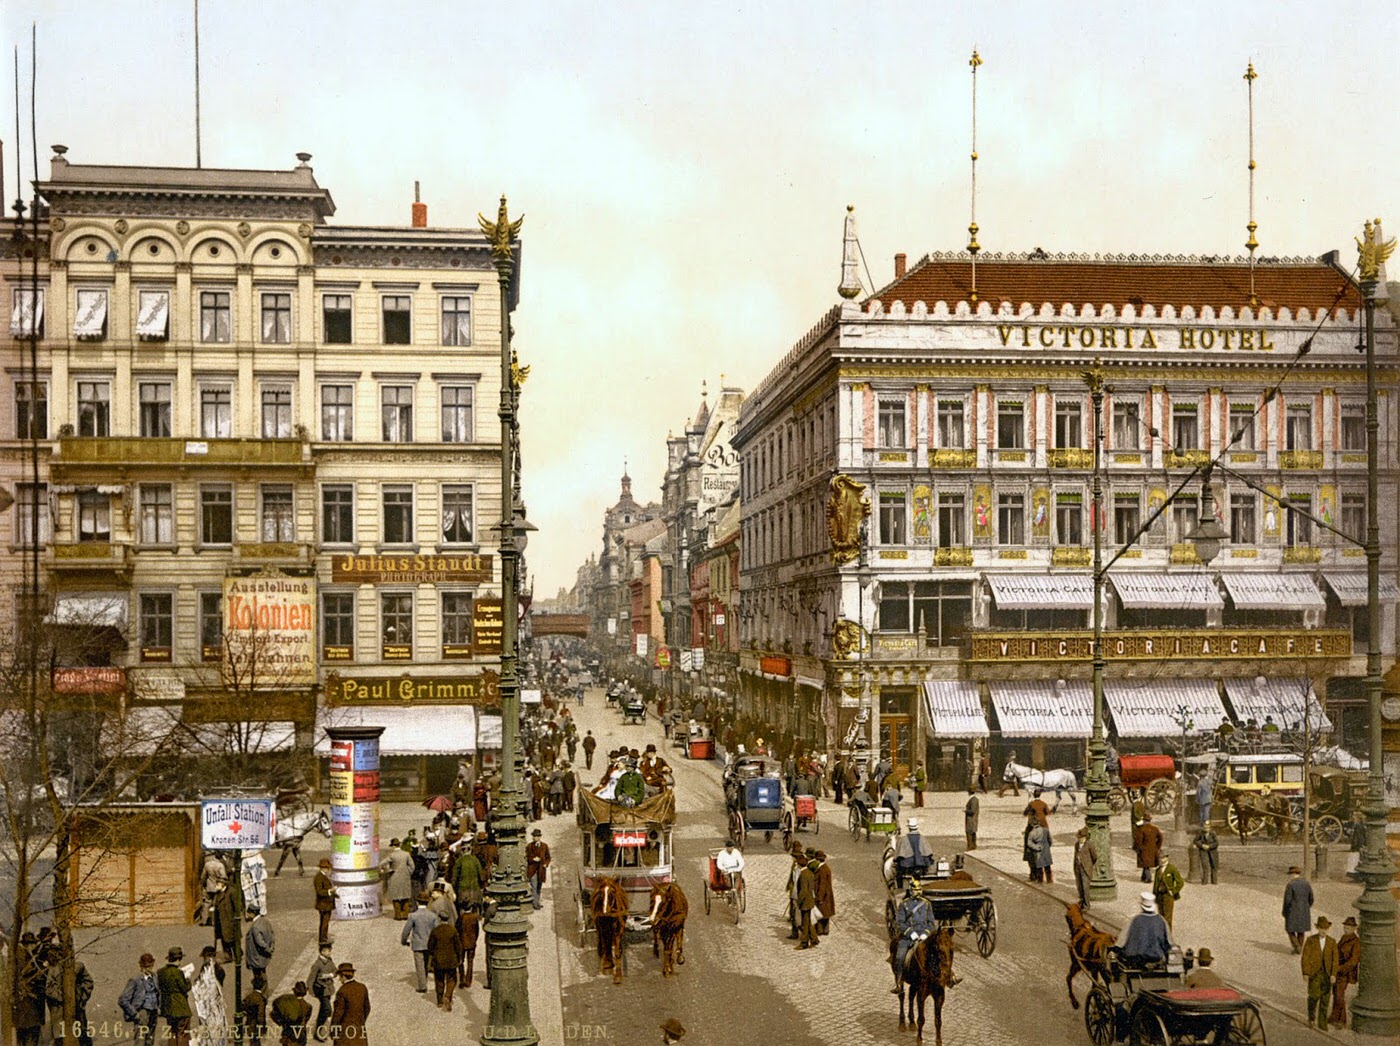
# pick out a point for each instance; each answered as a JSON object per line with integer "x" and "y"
{"x": 1157, "y": 645}
{"x": 468, "y": 568}
{"x": 89, "y": 681}
{"x": 487, "y": 621}
{"x": 775, "y": 665}
{"x": 481, "y": 689}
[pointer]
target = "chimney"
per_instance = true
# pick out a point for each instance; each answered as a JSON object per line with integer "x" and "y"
{"x": 899, "y": 262}
{"x": 420, "y": 210}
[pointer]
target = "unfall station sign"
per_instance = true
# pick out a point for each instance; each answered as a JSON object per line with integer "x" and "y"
{"x": 236, "y": 824}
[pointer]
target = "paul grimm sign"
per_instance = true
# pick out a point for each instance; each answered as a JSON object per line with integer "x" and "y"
{"x": 1213, "y": 644}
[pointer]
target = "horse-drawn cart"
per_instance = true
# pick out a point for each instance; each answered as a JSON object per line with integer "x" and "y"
{"x": 753, "y": 796}
{"x": 1153, "y": 775}
{"x": 629, "y": 846}
{"x": 799, "y": 814}
{"x": 1158, "y": 1008}
{"x": 958, "y": 901}
{"x": 872, "y": 820}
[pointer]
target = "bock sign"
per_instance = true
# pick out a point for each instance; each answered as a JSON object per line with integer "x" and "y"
{"x": 269, "y": 632}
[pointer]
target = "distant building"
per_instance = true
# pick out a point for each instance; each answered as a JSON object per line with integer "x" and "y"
{"x": 966, "y": 419}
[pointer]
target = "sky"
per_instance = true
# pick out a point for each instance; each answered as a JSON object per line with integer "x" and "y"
{"x": 684, "y": 168}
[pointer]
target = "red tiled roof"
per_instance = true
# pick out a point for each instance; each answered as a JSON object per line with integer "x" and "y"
{"x": 1294, "y": 284}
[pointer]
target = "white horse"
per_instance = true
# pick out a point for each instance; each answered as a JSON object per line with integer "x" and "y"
{"x": 1061, "y": 781}
{"x": 292, "y": 829}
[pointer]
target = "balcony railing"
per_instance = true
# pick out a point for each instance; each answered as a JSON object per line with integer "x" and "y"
{"x": 92, "y": 556}
{"x": 1071, "y": 458}
{"x": 1300, "y": 459}
{"x": 950, "y": 458}
{"x": 137, "y": 450}
{"x": 297, "y": 552}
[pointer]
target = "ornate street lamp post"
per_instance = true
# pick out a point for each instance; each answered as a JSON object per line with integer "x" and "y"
{"x": 1377, "y": 1007}
{"x": 508, "y": 929}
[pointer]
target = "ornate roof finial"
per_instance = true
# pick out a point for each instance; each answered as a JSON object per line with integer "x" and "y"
{"x": 1372, "y": 252}
{"x": 501, "y": 232}
{"x": 1252, "y": 244}
{"x": 972, "y": 245}
{"x": 850, "y": 279}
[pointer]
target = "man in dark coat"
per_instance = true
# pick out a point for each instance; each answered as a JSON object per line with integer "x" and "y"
{"x": 971, "y": 816}
{"x": 325, "y": 897}
{"x": 468, "y": 878}
{"x": 806, "y": 900}
{"x": 1297, "y": 908}
{"x": 468, "y": 931}
{"x": 174, "y": 988}
{"x": 1205, "y": 845}
{"x": 826, "y": 895}
{"x": 82, "y": 992}
{"x": 1147, "y": 841}
{"x": 445, "y": 957}
{"x": 259, "y": 944}
{"x": 253, "y": 1009}
{"x": 140, "y": 1001}
{"x": 1037, "y": 806}
{"x": 351, "y": 1010}
{"x": 590, "y": 745}
{"x": 228, "y": 912}
{"x": 1348, "y": 965}
{"x": 292, "y": 1013}
{"x": 1086, "y": 858}
{"x": 838, "y": 780}
{"x": 537, "y": 860}
{"x": 1319, "y": 964}
{"x": 322, "y": 981}
{"x": 28, "y": 1005}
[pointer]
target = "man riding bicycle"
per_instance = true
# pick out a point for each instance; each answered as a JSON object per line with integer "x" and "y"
{"x": 729, "y": 863}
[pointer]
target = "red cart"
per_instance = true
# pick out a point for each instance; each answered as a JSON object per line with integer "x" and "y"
{"x": 1153, "y": 775}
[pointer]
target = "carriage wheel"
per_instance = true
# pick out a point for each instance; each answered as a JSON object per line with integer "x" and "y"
{"x": 1252, "y": 822}
{"x": 1246, "y": 1029}
{"x": 1099, "y": 1019}
{"x": 743, "y": 903}
{"x": 1117, "y": 799}
{"x": 816, "y": 823}
{"x": 987, "y": 929}
{"x": 768, "y": 836}
{"x": 1148, "y": 1029}
{"x": 788, "y": 829}
{"x": 1327, "y": 829}
{"x": 736, "y": 828}
{"x": 1161, "y": 796}
{"x": 853, "y": 821}
{"x": 707, "y": 898}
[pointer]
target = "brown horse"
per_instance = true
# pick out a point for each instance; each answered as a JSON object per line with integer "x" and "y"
{"x": 1088, "y": 950}
{"x": 928, "y": 970}
{"x": 668, "y": 912}
{"x": 609, "y": 905}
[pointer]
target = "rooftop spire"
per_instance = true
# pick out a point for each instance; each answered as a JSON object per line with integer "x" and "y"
{"x": 1253, "y": 244}
{"x": 850, "y": 279}
{"x": 972, "y": 245}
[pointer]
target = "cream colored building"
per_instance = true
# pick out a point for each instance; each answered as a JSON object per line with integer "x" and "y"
{"x": 226, "y": 385}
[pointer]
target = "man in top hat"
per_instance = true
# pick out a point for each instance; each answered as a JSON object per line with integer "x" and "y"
{"x": 912, "y": 856}
{"x": 537, "y": 860}
{"x": 1086, "y": 859}
{"x": 325, "y": 897}
{"x": 1146, "y": 939}
{"x": 174, "y": 988}
{"x": 1348, "y": 963}
{"x": 806, "y": 901}
{"x": 1319, "y": 968}
{"x": 1203, "y": 976}
{"x": 971, "y": 816}
{"x": 826, "y": 895}
{"x": 590, "y": 745}
{"x": 351, "y": 1010}
{"x": 1297, "y": 908}
{"x": 671, "y": 1031}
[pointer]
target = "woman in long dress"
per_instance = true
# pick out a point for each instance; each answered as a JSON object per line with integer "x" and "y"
{"x": 208, "y": 998}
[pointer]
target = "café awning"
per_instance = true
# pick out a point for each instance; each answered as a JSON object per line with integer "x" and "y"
{"x": 955, "y": 709}
{"x": 1152, "y": 707}
{"x": 421, "y": 730}
{"x": 1042, "y": 591}
{"x": 1041, "y": 708}
{"x": 1349, "y": 586}
{"x": 1166, "y": 591}
{"x": 1277, "y": 699}
{"x": 91, "y": 609}
{"x": 90, "y": 317}
{"x": 1273, "y": 592}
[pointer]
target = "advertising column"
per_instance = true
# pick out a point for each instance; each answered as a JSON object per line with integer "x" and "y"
{"x": 354, "y": 787}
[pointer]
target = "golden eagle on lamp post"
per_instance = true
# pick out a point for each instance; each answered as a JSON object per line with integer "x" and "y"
{"x": 502, "y": 232}
{"x": 1373, "y": 251}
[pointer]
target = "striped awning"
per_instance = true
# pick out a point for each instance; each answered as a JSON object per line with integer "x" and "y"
{"x": 1278, "y": 699}
{"x": 1154, "y": 707}
{"x": 1042, "y": 591}
{"x": 1349, "y": 586}
{"x": 1041, "y": 708}
{"x": 1166, "y": 591}
{"x": 955, "y": 709}
{"x": 1273, "y": 592}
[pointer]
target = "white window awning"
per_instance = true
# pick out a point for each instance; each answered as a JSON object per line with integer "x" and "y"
{"x": 1152, "y": 707}
{"x": 955, "y": 709}
{"x": 815, "y": 684}
{"x": 240, "y": 738}
{"x": 90, "y": 317}
{"x": 1273, "y": 592}
{"x": 27, "y": 315}
{"x": 1042, "y": 591}
{"x": 1041, "y": 708}
{"x": 1278, "y": 699}
{"x": 425, "y": 730}
{"x": 1350, "y": 587}
{"x": 1166, "y": 591}
{"x": 153, "y": 319}
{"x": 90, "y": 609}
{"x": 142, "y": 732}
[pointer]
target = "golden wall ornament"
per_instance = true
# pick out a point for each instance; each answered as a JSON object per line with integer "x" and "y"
{"x": 1040, "y": 512}
{"x": 982, "y": 512}
{"x": 1372, "y": 252}
{"x": 923, "y": 524}
{"x": 502, "y": 232}
{"x": 847, "y": 638}
{"x": 847, "y": 506}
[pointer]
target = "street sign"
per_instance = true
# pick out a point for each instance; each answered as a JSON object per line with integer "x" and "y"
{"x": 697, "y": 658}
{"x": 236, "y": 824}
{"x": 530, "y": 697}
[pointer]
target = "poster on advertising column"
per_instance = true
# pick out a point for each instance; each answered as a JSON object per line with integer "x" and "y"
{"x": 269, "y": 632}
{"x": 354, "y": 795}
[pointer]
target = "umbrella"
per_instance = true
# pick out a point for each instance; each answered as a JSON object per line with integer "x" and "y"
{"x": 438, "y": 803}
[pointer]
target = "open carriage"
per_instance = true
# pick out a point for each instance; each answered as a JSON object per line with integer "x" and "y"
{"x": 753, "y": 796}
{"x": 958, "y": 901}
{"x": 1157, "y": 1008}
{"x": 631, "y": 844}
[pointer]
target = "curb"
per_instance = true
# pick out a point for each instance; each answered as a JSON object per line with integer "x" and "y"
{"x": 1113, "y": 924}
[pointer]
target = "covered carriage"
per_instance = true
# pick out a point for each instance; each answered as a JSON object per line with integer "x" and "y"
{"x": 754, "y": 797}
{"x": 631, "y": 844}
